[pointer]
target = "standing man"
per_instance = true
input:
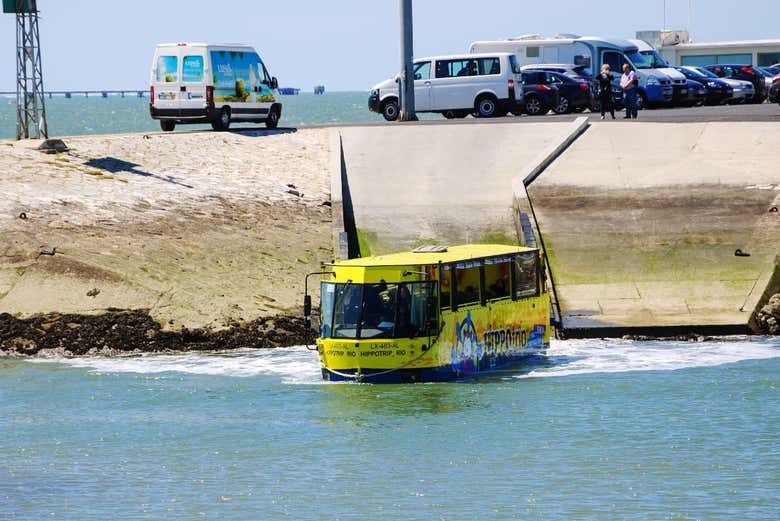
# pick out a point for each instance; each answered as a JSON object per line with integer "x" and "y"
{"x": 628, "y": 82}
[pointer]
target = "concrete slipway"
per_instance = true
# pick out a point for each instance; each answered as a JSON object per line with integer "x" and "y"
{"x": 640, "y": 221}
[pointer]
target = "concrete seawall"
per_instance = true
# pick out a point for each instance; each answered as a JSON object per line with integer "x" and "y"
{"x": 642, "y": 222}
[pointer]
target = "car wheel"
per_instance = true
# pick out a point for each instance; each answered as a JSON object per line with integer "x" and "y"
{"x": 563, "y": 106}
{"x": 167, "y": 125}
{"x": 390, "y": 110}
{"x": 486, "y": 106}
{"x": 223, "y": 121}
{"x": 535, "y": 106}
{"x": 273, "y": 119}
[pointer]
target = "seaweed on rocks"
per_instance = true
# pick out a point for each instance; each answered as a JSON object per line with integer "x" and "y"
{"x": 134, "y": 330}
{"x": 768, "y": 317}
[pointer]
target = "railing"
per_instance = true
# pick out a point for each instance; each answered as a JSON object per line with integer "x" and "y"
{"x": 86, "y": 93}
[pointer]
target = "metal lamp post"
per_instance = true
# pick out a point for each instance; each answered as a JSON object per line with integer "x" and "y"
{"x": 406, "y": 86}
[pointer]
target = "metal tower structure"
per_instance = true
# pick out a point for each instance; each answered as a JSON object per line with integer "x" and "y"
{"x": 30, "y": 105}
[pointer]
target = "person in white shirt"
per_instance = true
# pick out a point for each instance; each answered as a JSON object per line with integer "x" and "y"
{"x": 628, "y": 83}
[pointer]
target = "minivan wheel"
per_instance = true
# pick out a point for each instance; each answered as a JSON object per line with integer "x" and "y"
{"x": 390, "y": 110}
{"x": 563, "y": 107}
{"x": 534, "y": 106}
{"x": 223, "y": 121}
{"x": 167, "y": 125}
{"x": 273, "y": 119}
{"x": 486, "y": 107}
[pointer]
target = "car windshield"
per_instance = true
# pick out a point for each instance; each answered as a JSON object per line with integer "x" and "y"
{"x": 764, "y": 72}
{"x": 655, "y": 59}
{"x": 514, "y": 64}
{"x": 707, "y": 74}
{"x": 640, "y": 61}
{"x": 688, "y": 73}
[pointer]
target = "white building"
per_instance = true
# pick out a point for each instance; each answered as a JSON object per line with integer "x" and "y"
{"x": 677, "y": 49}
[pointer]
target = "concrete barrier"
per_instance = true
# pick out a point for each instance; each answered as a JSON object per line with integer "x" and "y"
{"x": 447, "y": 184}
{"x": 642, "y": 221}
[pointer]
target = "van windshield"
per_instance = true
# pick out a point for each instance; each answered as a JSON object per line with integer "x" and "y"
{"x": 655, "y": 59}
{"x": 640, "y": 61}
{"x": 514, "y": 64}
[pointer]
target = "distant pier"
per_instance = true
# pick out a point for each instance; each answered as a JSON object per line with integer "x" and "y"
{"x": 289, "y": 91}
{"x": 319, "y": 89}
{"x": 86, "y": 93}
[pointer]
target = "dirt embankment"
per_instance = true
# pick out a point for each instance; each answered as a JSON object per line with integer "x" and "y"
{"x": 156, "y": 242}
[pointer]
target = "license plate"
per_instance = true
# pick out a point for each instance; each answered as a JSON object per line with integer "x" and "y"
{"x": 684, "y": 91}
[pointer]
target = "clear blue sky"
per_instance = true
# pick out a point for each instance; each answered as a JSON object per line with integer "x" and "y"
{"x": 345, "y": 44}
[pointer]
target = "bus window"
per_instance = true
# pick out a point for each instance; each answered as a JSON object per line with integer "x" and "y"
{"x": 417, "y": 310}
{"x": 378, "y": 318}
{"x": 446, "y": 278}
{"x": 525, "y": 267}
{"x": 497, "y": 283}
{"x": 327, "y": 296}
{"x": 346, "y": 310}
{"x": 467, "y": 286}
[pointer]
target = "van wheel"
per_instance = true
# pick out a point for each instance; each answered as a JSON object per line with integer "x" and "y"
{"x": 486, "y": 107}
{"x": 563, "y": 107}
{"x": 167, "y": 125}
{"x": 223, "y": 122}
{"x": 534, "y": 106}
{"x": 390, "y": 110}
{"x": 273, "y": 119}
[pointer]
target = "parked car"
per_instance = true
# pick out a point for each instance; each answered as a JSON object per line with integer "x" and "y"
{"x": 456, "y": 86}
{"x": 767, "y": 77}
{"x": 578, "y": 72}
{"x": 774, "y": 90}
{"x": 573, "y": 94}
{"x": 745, "y": 73}
{"x": 696, "y": 94}
{"x": 540, "y": 92}
{"x": 717, "y": 91}
{"x": 742, "y": 91}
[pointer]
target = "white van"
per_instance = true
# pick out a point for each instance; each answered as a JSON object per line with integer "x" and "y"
{"x": 217, "y": 84}
{"x": 488, "y": 85}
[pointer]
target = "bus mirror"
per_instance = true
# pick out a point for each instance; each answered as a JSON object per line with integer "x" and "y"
{"x": 274, "y": 83}
{"x": 307, "y": 307}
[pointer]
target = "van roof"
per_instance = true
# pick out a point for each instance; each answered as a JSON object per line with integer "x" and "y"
{"x": 465, "y": 56}
{"x": 624, "y": 45}
{"x": 202, "y": 44}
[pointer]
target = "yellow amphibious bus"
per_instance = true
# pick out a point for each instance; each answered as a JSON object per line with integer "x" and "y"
{"x": 432, "y": 314}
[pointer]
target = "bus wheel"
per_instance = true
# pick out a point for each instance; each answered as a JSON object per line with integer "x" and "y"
{"x": 273, "y": 119}
{"x": 223, "y": 122}
{"x": 167, "y": 125}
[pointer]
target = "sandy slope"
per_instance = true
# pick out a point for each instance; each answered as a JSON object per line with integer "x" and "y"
{"x": 202, "y": 229}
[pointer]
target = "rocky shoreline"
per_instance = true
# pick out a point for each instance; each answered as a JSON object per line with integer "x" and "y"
{"x": 119, "y": 332}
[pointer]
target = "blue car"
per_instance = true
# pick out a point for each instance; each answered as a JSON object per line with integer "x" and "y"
{"x": 718, "y": 91}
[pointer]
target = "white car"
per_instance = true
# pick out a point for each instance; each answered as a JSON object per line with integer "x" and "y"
{"x": 488, "y": 85}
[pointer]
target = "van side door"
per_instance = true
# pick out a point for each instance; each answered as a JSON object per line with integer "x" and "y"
{"x": 192, "y": 91}
{"x": 452, "y": 81}
{"x": 165, "y": 78}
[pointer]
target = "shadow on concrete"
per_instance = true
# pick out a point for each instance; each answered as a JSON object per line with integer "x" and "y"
{"x": 262, "y": 131}
{"x": 114, "y": 165}
{"x": 350, "y": 226}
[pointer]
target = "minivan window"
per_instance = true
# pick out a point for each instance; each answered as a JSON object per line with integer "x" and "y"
{"x": 454, "y": 68}
{"x": 488, "y": 66}
{"x": 168, "y": 69}
{"x": 192, "y": 69}
{"x": 422, "y": 70}
{"x": 514, "y": 64}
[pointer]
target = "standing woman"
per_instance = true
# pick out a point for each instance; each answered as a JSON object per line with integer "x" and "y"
{"x": 605, "y": 91}
{"x": 628, "y": 83}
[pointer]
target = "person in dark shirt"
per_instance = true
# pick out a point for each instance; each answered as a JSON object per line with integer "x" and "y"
{"x": 604, "y": 80}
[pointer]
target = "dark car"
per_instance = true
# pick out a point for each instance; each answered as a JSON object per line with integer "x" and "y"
{"x": 595, "y": 97}
{"x": 573, "y": 94}
{"x": 745, "y": 73}
{"x": 540, "y": 91}
{"x": 717, "y": 90}
{"x": 774, "y": 90}
{"x": 696, "y": 94}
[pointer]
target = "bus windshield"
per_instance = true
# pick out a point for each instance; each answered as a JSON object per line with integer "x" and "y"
{"x": 655, "y": 59}
{"x": 382, "y": 310}
{"x": 640, "y": 61}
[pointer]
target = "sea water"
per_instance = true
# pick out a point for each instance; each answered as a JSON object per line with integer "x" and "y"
{"x": 598, "y": 430}
{"x": 96, "y": 115}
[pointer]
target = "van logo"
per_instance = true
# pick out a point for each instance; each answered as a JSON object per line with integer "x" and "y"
{"x": 225, "y": 68}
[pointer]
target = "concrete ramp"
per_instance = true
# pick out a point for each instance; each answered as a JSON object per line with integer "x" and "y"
{"x": 446, "y": 183}
{"x": 653, "y": 225}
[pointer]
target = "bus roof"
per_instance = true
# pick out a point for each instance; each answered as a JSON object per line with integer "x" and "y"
{"x": 450, "y": 254}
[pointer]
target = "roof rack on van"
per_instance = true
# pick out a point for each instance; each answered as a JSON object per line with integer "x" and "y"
{"x": 527, "y": 37}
